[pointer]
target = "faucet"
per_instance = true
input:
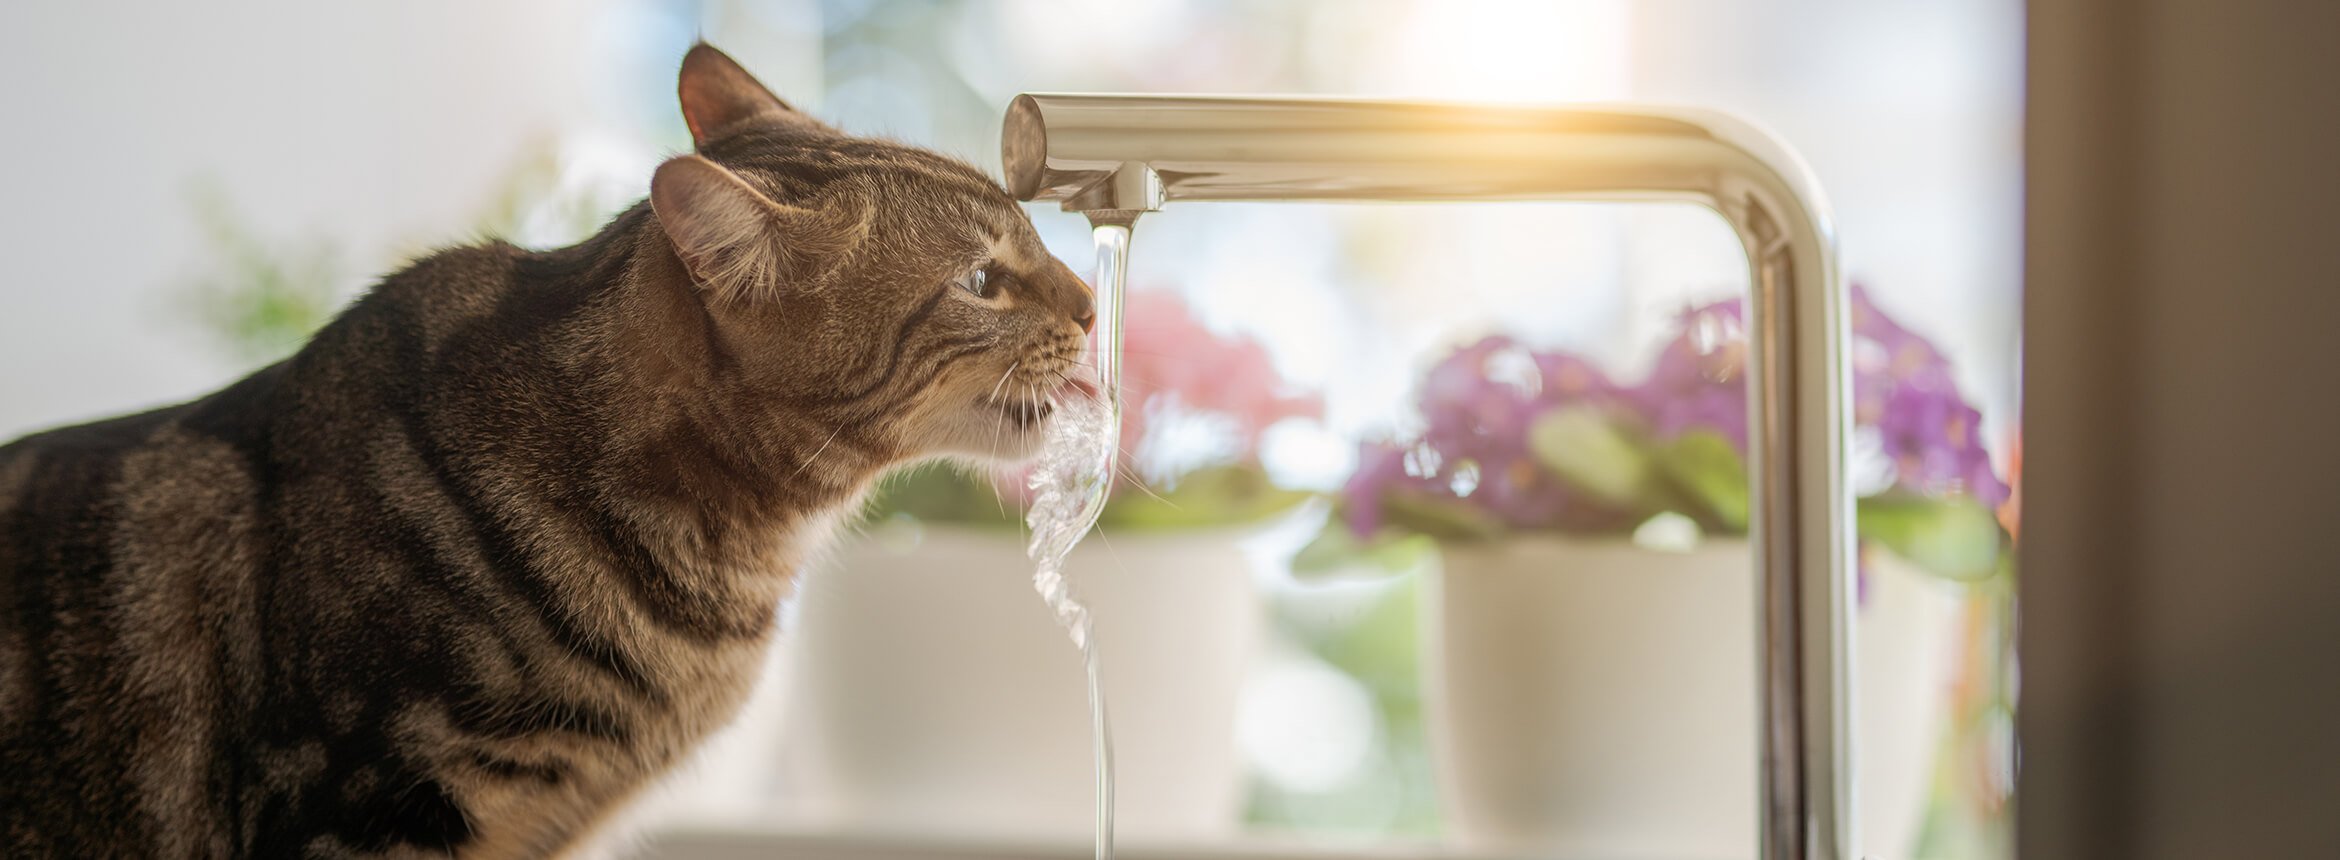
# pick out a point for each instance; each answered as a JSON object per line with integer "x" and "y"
{"x": 1115, "y": 157}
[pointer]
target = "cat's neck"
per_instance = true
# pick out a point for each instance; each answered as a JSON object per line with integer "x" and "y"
{"x": 687, "y": 434}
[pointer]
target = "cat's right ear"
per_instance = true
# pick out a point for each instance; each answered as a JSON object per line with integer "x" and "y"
{"x": 717, "y": 94}
{"x": 735, "y": 241}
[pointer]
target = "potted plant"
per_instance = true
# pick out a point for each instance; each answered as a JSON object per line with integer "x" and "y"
{"x": 930, "y": 689}
{"x": 1590, "y": 596}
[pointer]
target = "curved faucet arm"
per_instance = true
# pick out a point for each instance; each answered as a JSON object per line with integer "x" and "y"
{"x": 1114, "y": 156}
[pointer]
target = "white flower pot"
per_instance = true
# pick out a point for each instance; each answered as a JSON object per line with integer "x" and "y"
{"x": 1593, "y": 698}
{"x": 932, "y": 692}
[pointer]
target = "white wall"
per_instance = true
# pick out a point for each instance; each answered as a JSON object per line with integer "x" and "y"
{"x": 1910, "y": 113}
{"x": 381, "y": 127}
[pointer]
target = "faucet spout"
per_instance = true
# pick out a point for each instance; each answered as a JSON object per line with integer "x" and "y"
{"x": 1120, "y": 196}
{"x": 1114, "y": 156}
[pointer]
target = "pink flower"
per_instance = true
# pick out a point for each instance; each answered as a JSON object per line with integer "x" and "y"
{"x": 1171, "y": 361}
{"x": 1168, "y": 355}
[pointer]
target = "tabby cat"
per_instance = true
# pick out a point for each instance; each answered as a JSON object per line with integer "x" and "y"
{"x": 505, "y": 541}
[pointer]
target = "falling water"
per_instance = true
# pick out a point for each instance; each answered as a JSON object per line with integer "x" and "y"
{"x": 1069, "y": 489}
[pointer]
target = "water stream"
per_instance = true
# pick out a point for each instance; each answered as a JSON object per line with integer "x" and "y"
{"x": 1069, "y": 489}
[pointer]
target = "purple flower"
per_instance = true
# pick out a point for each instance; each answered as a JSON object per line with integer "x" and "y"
{"x": 1930, "y": 436}
{"x": 1699, "y": 381}
{"x": 1521, "y": 493}
{"x": 1902, "y": 386}
{"x": 1886, "y": 357}
{"x": 1480, "y": 404}
{"x": 1380, "y": 468}
{"x": 1472, "y": 410}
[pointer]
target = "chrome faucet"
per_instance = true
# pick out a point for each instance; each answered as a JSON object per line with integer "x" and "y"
{"x": 1114, "y": 157}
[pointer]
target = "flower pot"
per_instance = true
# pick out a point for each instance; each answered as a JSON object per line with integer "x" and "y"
{"x": 933, "y": 693}
{"x": 1593, "y": 698}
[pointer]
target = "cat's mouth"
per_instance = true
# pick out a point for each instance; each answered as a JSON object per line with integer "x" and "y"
{"x": 1027, "y": 414}
{"x": 1023, "y": 414}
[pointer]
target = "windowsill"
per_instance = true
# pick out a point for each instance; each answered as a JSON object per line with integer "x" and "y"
{"x": 768, "y": 842}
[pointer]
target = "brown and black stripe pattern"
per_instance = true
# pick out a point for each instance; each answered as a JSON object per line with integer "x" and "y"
{"x": 506, "y": 540}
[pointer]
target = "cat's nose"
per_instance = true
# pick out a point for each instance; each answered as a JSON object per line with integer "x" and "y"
{"x": 1085, "y": 313}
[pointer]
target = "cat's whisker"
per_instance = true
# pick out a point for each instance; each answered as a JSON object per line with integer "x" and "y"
{"x": 1031, "y": 390}
{"x": 1121, "y": 463}
{"x": 1139, "y": 483}
{"x": 1127, "y": 382}
{"x": 816, "y": 454}
{"x": 1122, "y": 467}
{"x": 1003, "y": 378}
{"x": 998, "y": 428}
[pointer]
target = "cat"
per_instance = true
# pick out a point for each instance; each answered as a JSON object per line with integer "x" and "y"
{"x": 507, "y": 538}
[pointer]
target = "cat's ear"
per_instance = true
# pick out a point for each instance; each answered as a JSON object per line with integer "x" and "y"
{"x": 736, "y": 241}
{"x": 717, "y": 94}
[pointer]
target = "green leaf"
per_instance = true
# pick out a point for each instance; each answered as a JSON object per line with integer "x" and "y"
{"x": 1217, "y": 496}
{"x": 1955, "y": 538}
{"x": 1442, "y": 518}
{"x": 1585, "y": 447}
{"x": 945, "y": 494}
{"x": 1709, "y": 474}
{"x": 260, "y": 299}
{"x": 1338, "y": 553}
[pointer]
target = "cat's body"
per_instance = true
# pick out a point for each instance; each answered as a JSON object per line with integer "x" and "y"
{"x": 507, "y": 539}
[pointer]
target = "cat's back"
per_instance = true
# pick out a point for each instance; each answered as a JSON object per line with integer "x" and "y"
{"x": 135, "y": 559}
{"x": 117, "y": 539}
{"x": 58, "y": 506}
{"x": 138, "y": 560}
{"x": 74, "y": 483}
{"x": 156, "y": 569}
{"x": 61, "y": 495}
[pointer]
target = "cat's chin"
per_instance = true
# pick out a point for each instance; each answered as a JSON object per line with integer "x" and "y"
{"x": 1016, "y": 446}
{"x": 1022, "y": 418}
{"x": 999, "y": 433}
{"x": 1007, "y": 430}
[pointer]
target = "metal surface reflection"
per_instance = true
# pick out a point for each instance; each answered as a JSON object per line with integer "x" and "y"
{"x": 1116, "y": 156}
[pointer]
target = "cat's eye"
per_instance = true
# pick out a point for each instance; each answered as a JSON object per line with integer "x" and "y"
{"x": 978, "y": 283}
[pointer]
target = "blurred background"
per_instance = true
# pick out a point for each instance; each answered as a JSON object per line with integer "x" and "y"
{"x": 1433, "y": 526}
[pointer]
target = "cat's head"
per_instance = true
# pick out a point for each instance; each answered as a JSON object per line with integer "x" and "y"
{"x": 897, "y": 293}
